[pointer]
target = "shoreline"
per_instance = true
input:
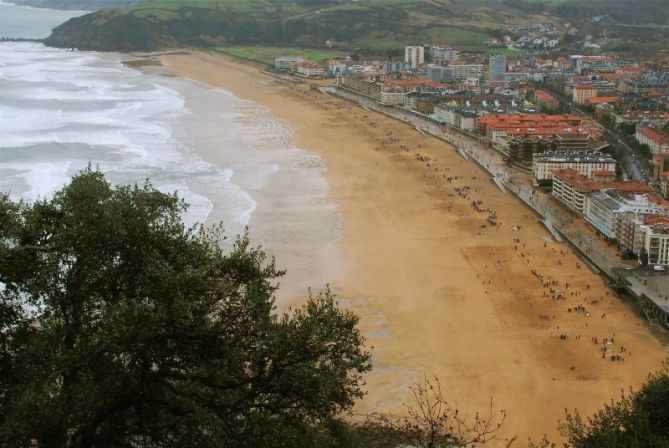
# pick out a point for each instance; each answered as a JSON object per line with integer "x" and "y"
{"x": 435, "y": 290}
{"x": 292, "y": 215}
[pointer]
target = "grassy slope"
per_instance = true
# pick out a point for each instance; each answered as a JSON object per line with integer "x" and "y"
{"x": 375, "y": 24}
{"x": 371, "y": 25}
{"x": 266, "y": 55}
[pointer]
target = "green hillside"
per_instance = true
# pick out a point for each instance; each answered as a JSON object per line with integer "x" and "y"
{"x": 367, "y": 26}
{"x": 375, "y": 25}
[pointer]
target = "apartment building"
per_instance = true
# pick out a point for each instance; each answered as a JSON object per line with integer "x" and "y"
{"x": 585, "y": 163}
{"x": 496, "y": 126}
{"x": 310, "y": 69}
{"x": 654, "y": 117}
{"x": 286, "y": 63}
{"x": 467, "y": 72}
{"x": 657, "y": 141}
{"x": 581, "y": 93}
{"x": 497, "y": 66}
{"x": 571, "y": 188}
{"x": 602, "y": 209}
{"x": 414, "y": 55}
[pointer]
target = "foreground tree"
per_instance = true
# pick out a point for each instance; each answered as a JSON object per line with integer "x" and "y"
{"x": 119, "y": 327}
{"x": 430, "y": 421}
{"x": 638, "y": 420}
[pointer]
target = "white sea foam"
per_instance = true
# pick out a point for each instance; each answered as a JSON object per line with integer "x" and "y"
{"x": 60, "y": 111}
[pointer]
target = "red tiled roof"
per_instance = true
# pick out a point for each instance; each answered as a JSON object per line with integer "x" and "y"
{"x": 522, "y": 124}
{"x": 582, "y": 183}
{"x": 655, "y": 219}
{"x": 542, "y": 95}
{"x": 653, "y": 134}
{"x": 413, "y": 82}
{"x": 602, "y": 99}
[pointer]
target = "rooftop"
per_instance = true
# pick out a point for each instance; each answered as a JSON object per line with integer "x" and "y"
{"x": 579, "y": 181}
{"x": 602, "y": 99}
{"x": 653, "y": 134}
{"x": 574, "y": 156}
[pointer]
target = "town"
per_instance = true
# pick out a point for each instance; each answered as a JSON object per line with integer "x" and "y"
{"x": 582, "y": 139}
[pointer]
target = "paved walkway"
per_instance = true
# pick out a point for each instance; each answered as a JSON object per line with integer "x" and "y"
{"x": 555, "y": 217}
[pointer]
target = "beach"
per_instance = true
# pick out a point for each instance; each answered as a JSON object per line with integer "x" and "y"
{"x": 450, "y": 276}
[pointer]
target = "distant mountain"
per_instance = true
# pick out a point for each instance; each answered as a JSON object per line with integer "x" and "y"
{"x": 77, "y": 5}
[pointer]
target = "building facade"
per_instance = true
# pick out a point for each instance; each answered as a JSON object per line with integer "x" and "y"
{"x": 286, "y": 63}
{"x": 655, "y": 242}
{"x": 496, "y": 66}
{"x": 310, "y": 69}
{"x": 582, "y": 92}
{"x": 438, "y": 53}
{"x": 657, "y": 141}
{"x": 585, "y": 163}
{"x": 414, "y": 55}
{"x": 603, "y": 209}
{"x": 467, "y": 72}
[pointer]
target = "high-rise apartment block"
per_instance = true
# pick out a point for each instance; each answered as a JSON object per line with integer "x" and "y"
{"x": 414, "y": 55}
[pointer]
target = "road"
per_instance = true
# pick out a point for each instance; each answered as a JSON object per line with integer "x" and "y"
{"x": 629, "y": 163}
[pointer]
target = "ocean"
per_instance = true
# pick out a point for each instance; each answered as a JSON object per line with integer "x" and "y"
{"x": 62, "y": 110}
{"x": 231, "y": 160}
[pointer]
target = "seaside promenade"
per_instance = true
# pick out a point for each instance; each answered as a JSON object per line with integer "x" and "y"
{"x": 558, "y": 220}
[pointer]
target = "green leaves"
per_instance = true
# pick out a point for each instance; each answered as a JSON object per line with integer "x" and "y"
{"x": 637, "y": 419}
{"x": 147, "y": 334}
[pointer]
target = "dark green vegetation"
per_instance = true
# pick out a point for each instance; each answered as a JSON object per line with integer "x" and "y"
{"x": 367, "y": 25}
{"x": 638, "y": 420}
{"x": 118, "y": 327}
{"x": 121, "y": 328}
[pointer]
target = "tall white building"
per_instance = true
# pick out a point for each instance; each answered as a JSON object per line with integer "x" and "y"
{"x": 414, "y": 55}
{"x": 496, "y": 66}
{"x": 603, "y": 209}
{"x": 655, "y": 242}
{"x": 467, "y": 72}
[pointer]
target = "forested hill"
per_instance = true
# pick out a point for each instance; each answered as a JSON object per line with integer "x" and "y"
{"x": 342, "y": 24}
{"x": 310, "y": 23}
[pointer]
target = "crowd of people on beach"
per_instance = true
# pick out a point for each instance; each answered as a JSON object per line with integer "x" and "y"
{"x": 554, "y": 288}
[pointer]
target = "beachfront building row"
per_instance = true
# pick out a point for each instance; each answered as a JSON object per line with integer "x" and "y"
{"x": 586, "y": 163}
{"x": 571, "y": 188}
{"x": 310, "y": 69}
{"x": 495, "y": 127}
{"x": 286, "y": 63}
{"x": 637, "y": 232}
{"x": 654, "y": 241}
{"x": 657, "y": 141}
{"x": 455, "y": 116}
{"x": 603, "y": 209}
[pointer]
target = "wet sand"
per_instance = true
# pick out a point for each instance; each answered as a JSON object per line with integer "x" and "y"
{"x": 442, "y": 281}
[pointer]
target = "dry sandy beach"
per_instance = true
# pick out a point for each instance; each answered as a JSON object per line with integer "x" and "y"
{"x": 437, "y": 292}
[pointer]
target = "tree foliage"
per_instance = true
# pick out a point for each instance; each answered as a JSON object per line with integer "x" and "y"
{"x": 431, "y": 421}
{"x": 640, "y": 419}
{"x": 120, "y": 327}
